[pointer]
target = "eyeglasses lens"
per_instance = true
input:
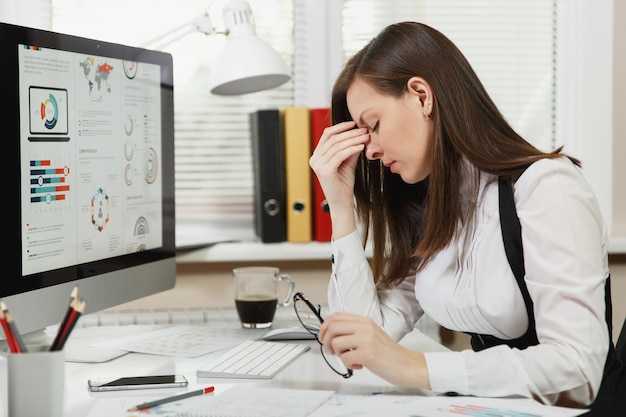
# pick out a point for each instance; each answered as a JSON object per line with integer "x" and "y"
{"x": 311, "y": 321}
{"x": 307, "y": 317}
{"x": 335, "y": 363}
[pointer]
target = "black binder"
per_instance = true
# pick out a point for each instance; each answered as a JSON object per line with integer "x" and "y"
{"x": 269, "y": 175}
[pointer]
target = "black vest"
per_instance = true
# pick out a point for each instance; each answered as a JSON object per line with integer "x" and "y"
{"x": 611, "y": 399}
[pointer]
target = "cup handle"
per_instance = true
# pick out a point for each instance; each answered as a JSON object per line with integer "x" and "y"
{"x": 291, "y": 284}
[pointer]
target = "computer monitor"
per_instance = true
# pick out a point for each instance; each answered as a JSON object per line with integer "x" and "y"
{"x": 89, "y": 149}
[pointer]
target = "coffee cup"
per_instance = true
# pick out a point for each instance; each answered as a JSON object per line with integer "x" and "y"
{"x": 258, "y": 290}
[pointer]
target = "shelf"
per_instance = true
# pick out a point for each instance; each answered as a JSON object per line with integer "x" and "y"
{"x": 617, "y": 245}
{"x": 310, "y": 251}
{"x": 257, "y": 251}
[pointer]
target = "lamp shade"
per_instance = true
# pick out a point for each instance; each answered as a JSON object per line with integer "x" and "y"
{"x": 246, "y": 64}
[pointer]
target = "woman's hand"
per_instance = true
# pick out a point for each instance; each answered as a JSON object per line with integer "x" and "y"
{"x": 359, "y": 343}
{"x": 334, "y": 162}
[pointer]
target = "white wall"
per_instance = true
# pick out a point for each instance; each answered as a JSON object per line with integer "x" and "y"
{"x": 585, "y": 92}
{"x": 619, "y": 119}
{"x": 34, "y": 13}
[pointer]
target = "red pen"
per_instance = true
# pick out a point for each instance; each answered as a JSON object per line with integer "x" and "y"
{"x": 154, "y": 403}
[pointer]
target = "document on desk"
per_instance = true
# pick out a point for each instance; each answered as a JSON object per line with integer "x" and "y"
{"x": 438, "y": 406}
{"x": 182, "y": 341}
{"x": 238, "y": 401}
{"x": 254, "y": 401}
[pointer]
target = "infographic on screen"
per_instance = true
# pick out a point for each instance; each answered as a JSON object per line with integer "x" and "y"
{"x": 90, "y": 152}
{"x": 48, "y": 111}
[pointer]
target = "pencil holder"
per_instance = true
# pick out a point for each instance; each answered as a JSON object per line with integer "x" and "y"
{"x": 36, "y": 383}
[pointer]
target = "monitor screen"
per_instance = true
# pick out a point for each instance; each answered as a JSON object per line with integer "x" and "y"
{"x": 89, "y": 134}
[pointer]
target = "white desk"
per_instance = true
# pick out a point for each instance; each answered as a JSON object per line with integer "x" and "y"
{"x": 308, "y": 372}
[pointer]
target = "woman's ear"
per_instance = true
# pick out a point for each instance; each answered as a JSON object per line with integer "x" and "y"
{"x": 418, "y": 87}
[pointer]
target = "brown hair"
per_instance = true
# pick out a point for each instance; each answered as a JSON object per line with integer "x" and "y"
{"x": 410, "y": 223}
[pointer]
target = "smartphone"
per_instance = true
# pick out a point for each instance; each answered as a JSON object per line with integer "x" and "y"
{"x": 137, "y": 382}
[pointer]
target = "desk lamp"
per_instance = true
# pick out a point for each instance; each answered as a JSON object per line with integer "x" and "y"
{"x": 246, "y": 64}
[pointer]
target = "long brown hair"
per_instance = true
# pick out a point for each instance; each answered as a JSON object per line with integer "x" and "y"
{"x": 410, "y": 223}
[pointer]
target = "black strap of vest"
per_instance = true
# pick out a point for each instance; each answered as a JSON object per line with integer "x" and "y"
{"x": 512, "y": 238}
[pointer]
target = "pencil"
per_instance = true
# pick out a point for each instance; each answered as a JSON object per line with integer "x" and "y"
{"x": 154, "y": 403}
{"x": 68, "y": 313}
{"x": 73, "y": 296}
{"x": 13, "y": 327}
{"x": 8, "y": 333}
{"x": 64, "y": 333}
{"x": 63, "y": 324}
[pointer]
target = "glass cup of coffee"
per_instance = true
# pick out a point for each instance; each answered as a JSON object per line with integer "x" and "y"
{"x": 257, "y": 294}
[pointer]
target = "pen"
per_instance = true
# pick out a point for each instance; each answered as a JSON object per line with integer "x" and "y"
{"x": 154, "y": 403}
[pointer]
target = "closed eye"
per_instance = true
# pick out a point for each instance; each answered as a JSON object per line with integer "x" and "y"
{"x": 375, "y": 128}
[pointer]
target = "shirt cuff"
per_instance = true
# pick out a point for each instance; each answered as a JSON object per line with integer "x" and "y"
{"x": 347, "y": 253}
{"x": 446, "y": 371}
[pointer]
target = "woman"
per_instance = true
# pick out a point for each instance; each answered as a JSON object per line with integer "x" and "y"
{"x": 419, "y": 145}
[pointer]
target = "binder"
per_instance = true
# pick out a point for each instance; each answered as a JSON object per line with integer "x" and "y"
{"x": 298, "y": 173}
{"x": 266, "y": 136}
{"x": 322, "y": 228}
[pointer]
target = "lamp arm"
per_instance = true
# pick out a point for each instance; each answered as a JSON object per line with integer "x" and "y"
{"x": 201, "y": 24}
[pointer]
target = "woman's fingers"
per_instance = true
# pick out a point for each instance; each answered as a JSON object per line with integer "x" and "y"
{"x": 334, "y": 130}
{"x": 334, "y": 140}
{"x": 339, "y": 137}
{"x": 338, "y": 152}
{"x": 337, "y": 331}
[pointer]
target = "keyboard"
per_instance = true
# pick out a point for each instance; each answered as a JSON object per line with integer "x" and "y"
{"x": 184, "y": 315}
{"x": 253, "y": 359}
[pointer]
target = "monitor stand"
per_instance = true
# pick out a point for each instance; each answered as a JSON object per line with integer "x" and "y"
{"x": 76, "y": 350}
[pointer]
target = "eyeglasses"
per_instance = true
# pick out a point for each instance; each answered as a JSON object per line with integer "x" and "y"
{"x": 310, "y": 318}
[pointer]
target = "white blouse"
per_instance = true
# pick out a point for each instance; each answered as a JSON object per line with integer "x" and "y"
{"x": 469, "y": 287}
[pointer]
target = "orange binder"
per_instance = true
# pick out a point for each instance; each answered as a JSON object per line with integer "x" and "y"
{"x": 320, "y": 120}
{"x": 298, "y": 173}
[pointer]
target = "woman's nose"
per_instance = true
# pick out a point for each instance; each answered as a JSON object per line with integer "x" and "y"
{"x": 373, "y": 151}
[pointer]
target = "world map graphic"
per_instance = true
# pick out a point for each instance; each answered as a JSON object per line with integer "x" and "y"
{"x": 97, "y": 75}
